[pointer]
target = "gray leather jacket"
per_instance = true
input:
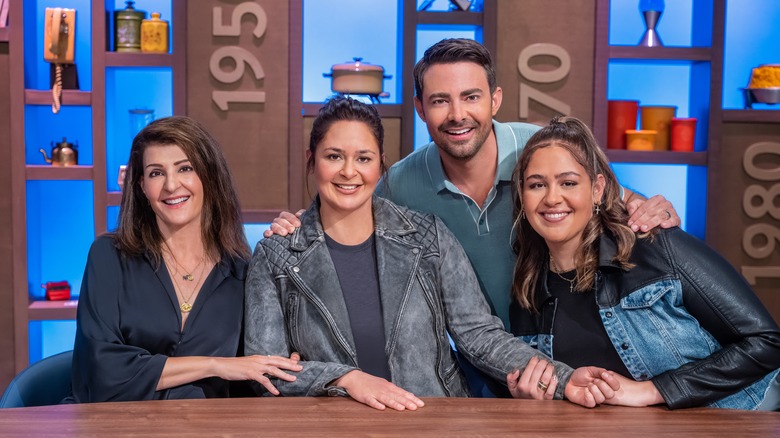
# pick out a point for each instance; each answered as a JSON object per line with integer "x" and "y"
{"x": 428, "y": 289}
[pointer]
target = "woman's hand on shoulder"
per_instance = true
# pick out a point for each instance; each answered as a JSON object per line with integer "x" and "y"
{"x": 377, "y": 392}
{"x": 537, "y": 381}
{"x": 257, "y": 368}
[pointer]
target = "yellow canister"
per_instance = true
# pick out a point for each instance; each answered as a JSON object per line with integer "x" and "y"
{"x": 154, "y": 35}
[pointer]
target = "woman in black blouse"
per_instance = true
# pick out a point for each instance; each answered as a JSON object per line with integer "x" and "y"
{"x": 161, "y": 304}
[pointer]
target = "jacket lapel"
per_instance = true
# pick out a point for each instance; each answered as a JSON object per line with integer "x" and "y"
{"x": 315, "y": 274}
{"x": 397, "y": 261}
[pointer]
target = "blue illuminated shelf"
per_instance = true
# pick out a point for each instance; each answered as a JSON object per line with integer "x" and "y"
{"x": 752, "y": 116}
{"x": 48, "y": 172}
{"x": 137, "y": 59}
{"x": 657, "y": 157}
{"x": 69, "y": 97}
{"x": 52, "y": 310}
{"x": 661, "y": 53}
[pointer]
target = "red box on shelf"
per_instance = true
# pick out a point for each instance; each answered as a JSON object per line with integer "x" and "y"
{"x": 57, "y": 290}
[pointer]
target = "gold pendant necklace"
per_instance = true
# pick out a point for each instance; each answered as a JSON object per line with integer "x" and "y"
{"x": 555, "y": 269}
{"x": 185, "y": 305}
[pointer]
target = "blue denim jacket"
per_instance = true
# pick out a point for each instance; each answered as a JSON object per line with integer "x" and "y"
{"x": 682, "y": 318}
{"x": 428, "y": 289}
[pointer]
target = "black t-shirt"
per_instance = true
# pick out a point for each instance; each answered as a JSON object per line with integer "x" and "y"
{"x": 359, "y": 280}
{"x": 580, "y": 338}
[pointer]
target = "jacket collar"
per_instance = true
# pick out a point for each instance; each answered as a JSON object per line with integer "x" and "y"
{"x": 388, "y": 219}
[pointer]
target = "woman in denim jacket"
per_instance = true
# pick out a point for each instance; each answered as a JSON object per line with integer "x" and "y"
{"x": 366, "y": 292}
{"x": 663, "y": 310}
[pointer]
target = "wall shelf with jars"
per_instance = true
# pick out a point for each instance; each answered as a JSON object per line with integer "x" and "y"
{"x": 65, "y": 207}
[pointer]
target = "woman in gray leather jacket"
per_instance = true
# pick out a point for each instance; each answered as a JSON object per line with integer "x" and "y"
{"x": 664, "y": 311}
{"x": 366, "y": 292}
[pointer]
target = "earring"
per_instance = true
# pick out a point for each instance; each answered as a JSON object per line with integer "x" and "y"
{"x": 596, "y": 209}
{"x": 522, "y": 214}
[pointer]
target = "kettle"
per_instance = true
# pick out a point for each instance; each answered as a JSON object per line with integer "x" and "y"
{"x": 62, "y": 154}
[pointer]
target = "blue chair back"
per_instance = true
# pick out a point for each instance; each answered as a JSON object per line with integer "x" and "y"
{"x": 45, "y": 382}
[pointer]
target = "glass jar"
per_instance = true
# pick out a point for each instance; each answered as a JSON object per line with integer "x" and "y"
{"x": 127, "y": 28}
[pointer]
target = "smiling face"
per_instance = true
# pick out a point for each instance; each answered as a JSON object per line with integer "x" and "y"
{"x": 558, "y": 197}
{"x": 173, "y": 189}
{"x": 458, "y": 108}
{"x": 347, "y": 167}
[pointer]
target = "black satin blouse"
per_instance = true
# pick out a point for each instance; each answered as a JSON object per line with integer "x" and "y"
{"x": 128, "y": 323}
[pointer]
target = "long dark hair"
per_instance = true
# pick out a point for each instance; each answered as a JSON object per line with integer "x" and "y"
{"x": 221, "y": 227}
{"x": 574, "y": 136}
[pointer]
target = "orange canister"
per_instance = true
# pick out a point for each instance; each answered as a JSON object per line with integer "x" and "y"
{"x": 641, "y": 140}
{"x": 154, "y": 35}
{"x": 657, "y": 118}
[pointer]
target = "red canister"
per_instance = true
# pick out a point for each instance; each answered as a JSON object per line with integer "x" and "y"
{"x": 683, "y": 134}
{"x": 621, "y": 117}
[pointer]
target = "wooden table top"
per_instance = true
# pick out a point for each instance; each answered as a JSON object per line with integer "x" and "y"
{"x": 344, "y": 417}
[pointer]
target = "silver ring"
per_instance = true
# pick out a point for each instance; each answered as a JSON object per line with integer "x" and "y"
{"x": 668, "y": 215}
{"x": 543, "y": 386}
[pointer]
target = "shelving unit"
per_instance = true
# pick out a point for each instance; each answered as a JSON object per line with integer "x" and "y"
{"x": 25, "y": 308}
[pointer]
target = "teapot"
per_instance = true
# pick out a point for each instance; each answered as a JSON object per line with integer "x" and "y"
{"x": 62, "y": 154}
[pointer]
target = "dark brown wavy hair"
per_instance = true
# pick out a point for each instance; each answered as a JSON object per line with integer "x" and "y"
{"x": 221, "y": 227}
{"x": 574, "y": 136}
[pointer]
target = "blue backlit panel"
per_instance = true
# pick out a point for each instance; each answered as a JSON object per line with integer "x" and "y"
{"x": 42, "y": 128}
{"x": 336, "y": 31}
{"x": 626, "y": 25}
{"x": 752, "y": 39}
{"x": 48, "y": 338}
{"x": 132, "y": 88}
{"x": 60, "y": 230}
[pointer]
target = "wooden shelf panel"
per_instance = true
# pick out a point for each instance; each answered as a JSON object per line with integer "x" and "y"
{"x": 657, "y": 157}
{"x": 52, "y": 310}
{"x": 3, "y": 34}
{"x": 450, "y": 17}
{"x": 135, "y": 59}
{"x": 69, "y": 97}
{"x": 55, "y": 173}
{"x": 385, "y": 110}
{"x": 259, "y": 216}
{"x": 661, "y": 53}
{"x": 751, "y": 116}
{"x": 113, "y": 199}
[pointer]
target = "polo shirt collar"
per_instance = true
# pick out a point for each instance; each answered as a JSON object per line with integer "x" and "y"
{"x": 508, "y": 153}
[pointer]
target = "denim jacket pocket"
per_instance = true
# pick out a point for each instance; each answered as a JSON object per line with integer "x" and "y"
{"x": 656, "y": 308}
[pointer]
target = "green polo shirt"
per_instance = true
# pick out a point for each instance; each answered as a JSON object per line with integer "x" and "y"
{"x": 418, "y": 182}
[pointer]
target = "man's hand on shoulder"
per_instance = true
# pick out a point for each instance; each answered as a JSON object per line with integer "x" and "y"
{"x": 284, "y": 224}
{"x": 646, "y": 214}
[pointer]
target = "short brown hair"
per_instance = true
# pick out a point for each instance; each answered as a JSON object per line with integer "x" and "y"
{"x": 450, "y": 51}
